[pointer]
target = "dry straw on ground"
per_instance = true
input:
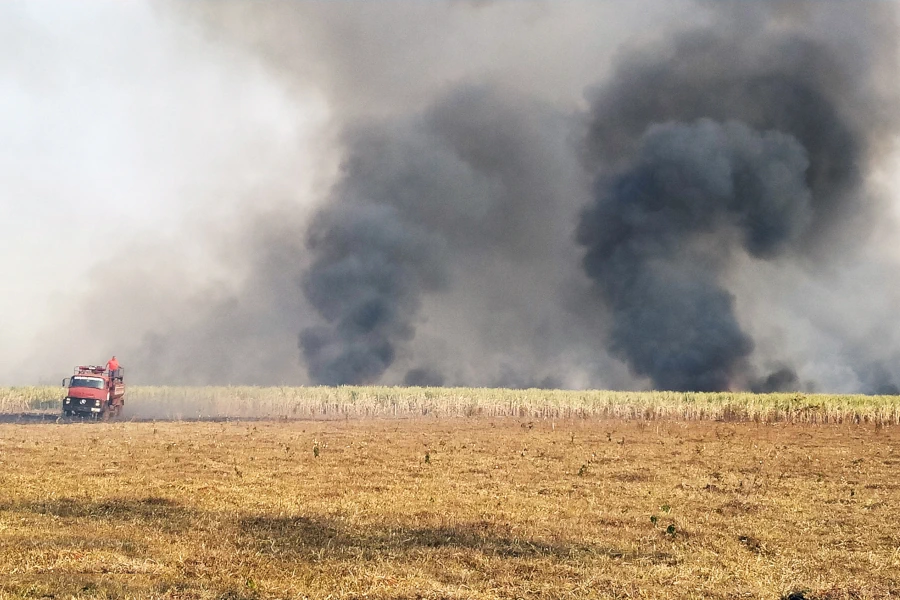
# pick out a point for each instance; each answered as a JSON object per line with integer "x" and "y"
{"x": 449, "y": 508}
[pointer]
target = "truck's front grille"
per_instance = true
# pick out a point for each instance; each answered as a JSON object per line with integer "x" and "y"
{"x": 78, "y": 403}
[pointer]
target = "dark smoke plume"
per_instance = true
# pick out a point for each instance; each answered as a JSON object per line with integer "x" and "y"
{"x": 781, "y": 380}
{"x": 467, "y": 182}
{"x": 718, "y": 144}
{"x": 370, "y": 268}
{"x": 790, "y": 84}
{"x": 647, "y": 253}
{"x": 721, "y": 144}
{"x": 424, "y": 377}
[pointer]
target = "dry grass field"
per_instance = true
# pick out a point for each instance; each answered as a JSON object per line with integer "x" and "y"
{"x": 178, "y": 403}
{"x": 457, "y": 507}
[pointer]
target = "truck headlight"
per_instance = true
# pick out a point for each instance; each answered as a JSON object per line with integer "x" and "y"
{"x": 97, "y": 403}
{"x": 68, "y": 400}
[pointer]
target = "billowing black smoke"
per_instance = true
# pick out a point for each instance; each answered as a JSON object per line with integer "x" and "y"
{"x": 712, "y": 148}
{"x": 795, "y": 86}
{"x": 371, "y": 265}
{"x": 780, "y": 380}
{"x": 720, "y": 146}
{"x": 660, "y": 233}
{"x": 478, "y": 177}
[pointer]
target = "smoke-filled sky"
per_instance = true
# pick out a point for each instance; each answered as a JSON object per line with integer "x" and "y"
{"x": 667, "y": 195}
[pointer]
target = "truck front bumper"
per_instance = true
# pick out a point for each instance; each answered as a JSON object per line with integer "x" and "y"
{"x": 75, "y": 405}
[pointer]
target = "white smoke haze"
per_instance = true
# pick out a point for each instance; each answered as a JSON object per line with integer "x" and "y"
{"x": 683, "y": 195}
{"x": 139, "y": 160}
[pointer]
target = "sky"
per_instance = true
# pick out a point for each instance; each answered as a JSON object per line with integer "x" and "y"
{"x": 121, "y": 127}
{"x": 400, "y": 192}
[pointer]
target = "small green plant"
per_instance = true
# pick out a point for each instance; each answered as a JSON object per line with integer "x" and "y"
{"x": 427, "y": 458}
{"x": 582, "y": 471}
{"x": 654, "y": 519}
{"x": 316, "y": 449}
{"x": 670, "y": 530}
{"x": 665, "y": 508}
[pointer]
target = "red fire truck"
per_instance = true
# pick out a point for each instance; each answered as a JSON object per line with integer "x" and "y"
{"x": 94, "y": 391}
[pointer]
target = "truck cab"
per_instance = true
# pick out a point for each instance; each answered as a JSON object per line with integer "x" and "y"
{"x": 95, "y": 392}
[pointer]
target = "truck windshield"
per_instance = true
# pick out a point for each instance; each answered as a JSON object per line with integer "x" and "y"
{"x": 88, "y": 382}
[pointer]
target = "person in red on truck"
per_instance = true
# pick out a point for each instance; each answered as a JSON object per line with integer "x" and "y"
{"x": 112, "y": 364}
